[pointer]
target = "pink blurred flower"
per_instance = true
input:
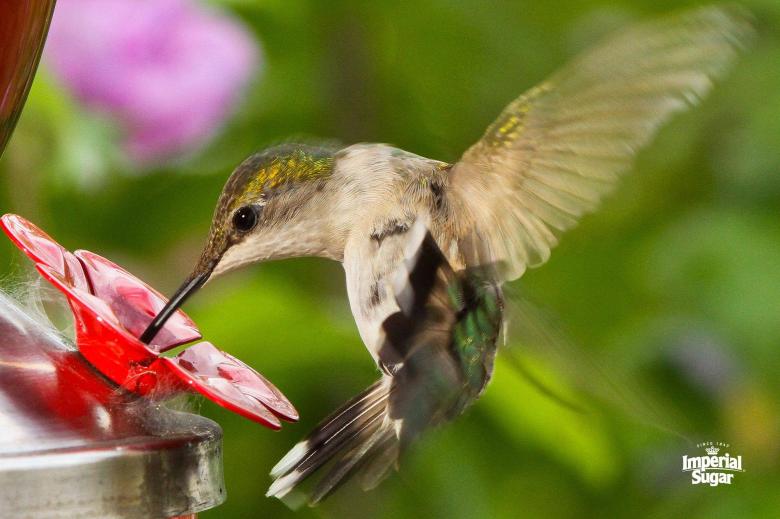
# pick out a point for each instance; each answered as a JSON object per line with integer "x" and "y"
{"x": 169, "y": 70}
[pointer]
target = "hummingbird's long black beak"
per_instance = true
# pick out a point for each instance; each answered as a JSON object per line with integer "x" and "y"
{"x": 188, "y": 288}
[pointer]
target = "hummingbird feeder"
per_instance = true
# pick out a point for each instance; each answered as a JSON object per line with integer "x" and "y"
{"x": 111, "y": 307}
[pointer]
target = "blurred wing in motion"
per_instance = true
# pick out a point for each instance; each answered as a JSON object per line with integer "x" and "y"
{"x": 537, "y": 336}
{"x": 554, "y": 152}
{"x": 437, "y": 356}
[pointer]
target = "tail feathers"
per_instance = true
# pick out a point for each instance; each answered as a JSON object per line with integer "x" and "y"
{"x": 358, "y": 437}
{"x": 388, "y": 450}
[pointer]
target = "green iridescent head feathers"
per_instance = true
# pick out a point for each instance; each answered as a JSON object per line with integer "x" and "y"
{"x": 263, "y": 177}
{"x": 277, "y": 168}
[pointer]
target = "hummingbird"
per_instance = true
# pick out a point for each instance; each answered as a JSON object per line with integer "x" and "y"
{"x": 427, "y": 245}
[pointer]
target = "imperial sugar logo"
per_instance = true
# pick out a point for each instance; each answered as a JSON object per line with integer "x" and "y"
{"x": 715, "y": 468}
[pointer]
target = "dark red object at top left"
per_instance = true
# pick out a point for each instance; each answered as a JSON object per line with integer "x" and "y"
{"x": 111, "y": 307}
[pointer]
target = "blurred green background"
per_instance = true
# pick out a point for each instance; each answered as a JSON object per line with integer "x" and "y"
{"x": 669, "y": 296}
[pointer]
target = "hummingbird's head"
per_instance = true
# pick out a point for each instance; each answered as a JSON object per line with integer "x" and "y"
{"x": 274, "y": 205}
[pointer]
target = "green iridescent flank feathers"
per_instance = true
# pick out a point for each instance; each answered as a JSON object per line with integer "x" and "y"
{"x": 477, "y": 328}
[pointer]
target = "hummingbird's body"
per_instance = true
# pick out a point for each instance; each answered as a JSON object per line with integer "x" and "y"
{"x": 426, "y": 245}
{"x": 430, "y": 324}
{"x": 391, "y": 190}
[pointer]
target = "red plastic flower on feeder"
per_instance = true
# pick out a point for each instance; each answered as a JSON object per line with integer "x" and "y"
{"x": 112, "y": 307}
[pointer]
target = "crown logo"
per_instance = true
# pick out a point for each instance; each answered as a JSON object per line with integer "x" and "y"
{"x": 712, "y": 450}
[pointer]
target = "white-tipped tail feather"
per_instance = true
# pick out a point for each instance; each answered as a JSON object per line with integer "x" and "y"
{"x": 343, "y": 442}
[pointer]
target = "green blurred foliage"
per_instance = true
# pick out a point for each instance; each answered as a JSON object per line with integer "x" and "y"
{"x": 678, "y": 272}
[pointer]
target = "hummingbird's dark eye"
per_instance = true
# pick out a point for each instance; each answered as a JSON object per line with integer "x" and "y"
{"x": 245, "y": 219}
